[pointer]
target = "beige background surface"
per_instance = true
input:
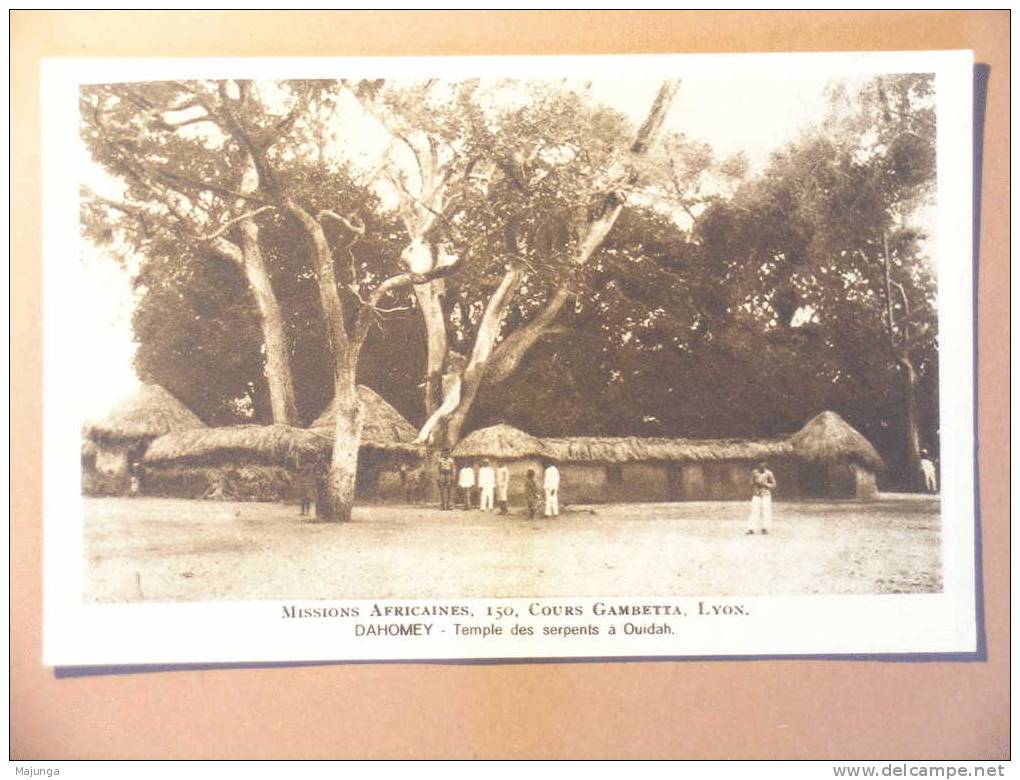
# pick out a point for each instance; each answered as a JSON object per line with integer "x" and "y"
{"x": 792, "y": 709}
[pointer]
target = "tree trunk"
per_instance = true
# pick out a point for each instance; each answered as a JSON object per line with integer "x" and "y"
{"x": 455, "y": 422}
{"x": 278, "y": 373}
{"x": 430, "y": 300}
{"x": 336, "y": 495}
{"x": 336, "y": 487}
{"x": 913, "y": 442}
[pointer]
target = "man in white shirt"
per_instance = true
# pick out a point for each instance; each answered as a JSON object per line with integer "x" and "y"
{"x": 486, "y": 485}
{"x": 928, "y": 472}
{"x": 551, "y": 483}
{"x": 503, "y": 488}
{"x": 466, "y": 483}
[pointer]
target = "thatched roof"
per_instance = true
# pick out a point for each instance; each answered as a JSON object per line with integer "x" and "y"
{"x": 499, "y": 441}
{"x": 383, "y": 426}
{"x": 149, "y": 412}
{"x": 88, "y": 447}
{"x": 828, "y": 437}
{"x": 384, "y": 429}
{"x": 277, "y": 444}
{"x": 627, "y": 449}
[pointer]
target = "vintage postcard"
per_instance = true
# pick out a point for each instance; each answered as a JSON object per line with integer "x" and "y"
{"x": 508, "y": 358}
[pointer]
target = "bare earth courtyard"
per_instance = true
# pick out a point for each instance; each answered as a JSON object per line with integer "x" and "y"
{"x": 152, "y": 549}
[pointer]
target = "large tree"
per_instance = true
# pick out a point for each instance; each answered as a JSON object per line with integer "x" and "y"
{"x": 828, "y": 246}
{"x": 199, "y": 335}
{"x": 274, "y": 130}
{"x": 147, "y": 136}
{"x": 540, "y": 185}
{"x": 520, "y": 182}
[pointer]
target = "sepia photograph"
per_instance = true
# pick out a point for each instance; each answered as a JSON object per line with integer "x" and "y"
{"x": 491, "y": 332}
{"x": 510, "y": 385}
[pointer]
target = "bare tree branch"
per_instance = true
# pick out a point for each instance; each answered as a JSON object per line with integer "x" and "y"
{"x": 406, "y": 279}
{"x": 905, "y": 335}
{"x": 209, "y": 187}
{"x": 355, "y": 224}
{"x": 227, "y": 225}
{"x": 166, "y": 124}
{"x": 891, "y": 325}
{"x": 125, "y": 208}
{"x": 414, "y": 151}
{"x": 409, "y": 278}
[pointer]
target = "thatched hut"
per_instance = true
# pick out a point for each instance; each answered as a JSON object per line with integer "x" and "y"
{"x": 504, "y": 444}
{"x": 387, "y": 442}
{"x": 269, "y": 444}
{"x": 238, "y": 462}
{"x": 122, "y": 437}
{"x": 265, "y": 462}
{"x": 381, "y": 423}
{"x": 826, "y": 458}
{"x": 835, "y": 459}
{"x": 88, "y": 453}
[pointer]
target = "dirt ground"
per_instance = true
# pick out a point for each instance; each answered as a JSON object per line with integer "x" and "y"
{"x": 151, "y": 549}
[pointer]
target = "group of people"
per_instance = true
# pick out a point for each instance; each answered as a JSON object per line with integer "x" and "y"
{"x": 484, "y": 486}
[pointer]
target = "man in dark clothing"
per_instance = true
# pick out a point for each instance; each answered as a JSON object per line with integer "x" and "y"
{"x": 763, "y": 482}
{"x": 446, "y": 468}
{"x": 307, "y": 487}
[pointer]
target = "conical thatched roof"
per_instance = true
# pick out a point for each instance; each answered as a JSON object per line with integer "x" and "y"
{"x": 499, "y": 441}
{"x": 276, "y": 444}
{"x": 383, "y": 427}
{"x": 147, "y": 413}
{"x": 828, "y": 437}
{"x": 626, "y": 449}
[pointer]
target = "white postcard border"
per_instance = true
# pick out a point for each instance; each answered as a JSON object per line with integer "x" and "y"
{"x": 79, "y": 634}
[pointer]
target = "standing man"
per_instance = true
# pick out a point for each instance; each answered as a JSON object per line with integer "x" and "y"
{"x": 405, "y": 485}
{"x": 134, "y": 478}
{"x": 409, "y": 478}
{"x": 763, "y": 482}
{"x": 446, "y": 467}
{"x": 551, "y": 483}
{"x": 928, "y": 472}
{"x": 306, "y": 486}
{"x": 466, "y": 483}
{"x": 486, "y": 485}
{"x": 503, "y": 488}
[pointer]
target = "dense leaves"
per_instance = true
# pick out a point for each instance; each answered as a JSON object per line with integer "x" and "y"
{"x": 719, "y": 304}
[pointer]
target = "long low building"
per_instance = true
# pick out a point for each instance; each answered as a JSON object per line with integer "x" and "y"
{"x": 827, "y": 458}
{"x": 267, "y": 462}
